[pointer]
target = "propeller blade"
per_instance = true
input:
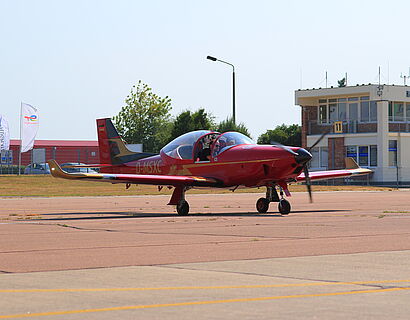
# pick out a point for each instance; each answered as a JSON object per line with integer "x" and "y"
{"x": 324, "y": 134}
{"x": 308, "y": 182}
{"x": 283, "y": 147}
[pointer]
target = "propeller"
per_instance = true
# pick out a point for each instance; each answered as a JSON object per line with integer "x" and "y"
{"x": 305, "y": 168}
{"x": 308, "y": 182}
{"x": 324, "y": 134}
{"x": 303, "y": 157}
{"x": 283, "y": 147}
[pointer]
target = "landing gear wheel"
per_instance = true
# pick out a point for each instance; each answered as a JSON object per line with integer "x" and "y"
{"x": 284, "y": 207}
{"x": 262, "y": 205}
{"x": 183, "y": 208}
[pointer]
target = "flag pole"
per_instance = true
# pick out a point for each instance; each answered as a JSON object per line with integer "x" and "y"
{"x": 21, "y": 106}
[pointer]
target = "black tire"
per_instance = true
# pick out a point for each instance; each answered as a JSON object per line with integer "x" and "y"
{"x": 284, "y": 207}
{"x": 262, "y": 205}
{"x": 183, "y": 208}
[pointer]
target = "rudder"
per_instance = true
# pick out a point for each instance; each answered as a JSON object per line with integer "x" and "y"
{"x": 112, "y": 148}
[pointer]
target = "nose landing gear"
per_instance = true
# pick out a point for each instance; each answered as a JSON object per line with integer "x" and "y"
{"x": 262, "y": 205}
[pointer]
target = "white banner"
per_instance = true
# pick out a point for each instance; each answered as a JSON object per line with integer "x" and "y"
{"x": 4, "y": 134}
{"x": 29, "y": 126}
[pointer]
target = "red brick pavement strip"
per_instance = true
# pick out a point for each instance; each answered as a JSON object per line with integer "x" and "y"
{"x": 75, "y": 233}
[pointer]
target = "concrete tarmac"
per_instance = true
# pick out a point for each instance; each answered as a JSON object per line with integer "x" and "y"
{"x": 345, "y": 255}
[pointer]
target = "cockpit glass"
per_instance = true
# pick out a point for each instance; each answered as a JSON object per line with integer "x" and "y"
{"x": 182, "y": 147}
{"x": 228, "y": 140}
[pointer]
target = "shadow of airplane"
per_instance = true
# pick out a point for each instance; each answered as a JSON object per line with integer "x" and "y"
{"x": 132, "y": 215}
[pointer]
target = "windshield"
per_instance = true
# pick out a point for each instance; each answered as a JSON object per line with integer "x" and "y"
{"x": 182, "y": 147}
{"x": 228, "y": 140}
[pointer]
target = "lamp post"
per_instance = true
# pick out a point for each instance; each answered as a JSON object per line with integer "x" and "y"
{"x": 233, "y": 84}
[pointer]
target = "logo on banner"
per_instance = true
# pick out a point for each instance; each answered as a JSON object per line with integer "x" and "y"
{"x": 2, "y": 139}
{"x": 31, "y": 118}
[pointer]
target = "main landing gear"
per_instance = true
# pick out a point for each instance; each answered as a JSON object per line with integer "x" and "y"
{"x": 178, "y": 200}
{"x": 183, "y": 208}
{"x": 262, "y": 205}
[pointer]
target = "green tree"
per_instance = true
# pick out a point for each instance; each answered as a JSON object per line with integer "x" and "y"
{"x": 228, "y": 125}
{"x": 145, "y": 118}
{"x": 341, "y": 83}
{"x": 287, "y": 135}
{"x": 188, "y": 121}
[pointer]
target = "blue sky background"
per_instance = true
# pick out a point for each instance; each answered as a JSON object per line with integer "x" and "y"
{"x": 77, "y": 60}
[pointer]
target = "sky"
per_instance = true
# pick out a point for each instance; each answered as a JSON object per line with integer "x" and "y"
{"x": 77, "y": 60}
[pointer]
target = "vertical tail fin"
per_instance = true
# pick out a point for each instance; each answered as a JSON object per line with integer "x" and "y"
{"x": 112, "y": 148}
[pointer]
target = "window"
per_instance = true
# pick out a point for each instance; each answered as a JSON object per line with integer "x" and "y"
{"x": 373, "y": 111}
{"x": 364, "y": 111}
{"x": 333, "y": 112}
{"x": 373, "y": 156}
{"x": 393, "y": 153}
{"x": 319, "y": 157}
{"x": 364, "y": 155}
{"x": 353, "y": 114}
{"x": 396, "y": 111}
{"x": 323, "y": 114}
{"x": 408, "y": 112}
{"x": 350, "y": 109}
{"x": 342, "y": 111}
{"x": 351, "y": 152}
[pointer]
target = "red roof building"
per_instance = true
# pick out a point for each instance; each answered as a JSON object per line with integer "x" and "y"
{"x": 61, "y": 150}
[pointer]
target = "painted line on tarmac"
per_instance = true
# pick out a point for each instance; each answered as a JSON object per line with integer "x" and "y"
{"x": 205, "y": 287}
{"x": 192, "y": 303}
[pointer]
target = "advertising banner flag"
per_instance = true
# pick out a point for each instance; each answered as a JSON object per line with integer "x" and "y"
{"x": 4, "y": 134}
{"x": 29, "y": 126}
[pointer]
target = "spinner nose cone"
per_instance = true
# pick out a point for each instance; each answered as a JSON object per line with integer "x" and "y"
{"x": 303, "y": 156}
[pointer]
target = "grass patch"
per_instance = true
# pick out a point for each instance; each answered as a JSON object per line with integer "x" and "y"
{"x": 47, "y": 186}
{"x": 395, "y": 211}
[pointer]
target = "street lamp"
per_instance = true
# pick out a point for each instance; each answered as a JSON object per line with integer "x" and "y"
{"x": 233, "y": 84}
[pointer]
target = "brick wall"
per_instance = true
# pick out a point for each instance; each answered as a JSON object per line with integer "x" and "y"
{"x": 367, "y": 127}
{"x": 336, "y": 146}
{"x": 309, "y": 113}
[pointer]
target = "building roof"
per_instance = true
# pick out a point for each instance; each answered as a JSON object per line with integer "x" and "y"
{"x": 59, "y": 143}
{"x": 309, "y": 97}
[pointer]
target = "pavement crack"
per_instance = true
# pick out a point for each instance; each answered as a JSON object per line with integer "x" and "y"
{"x": 353, "y": 283}
{"x": 85, "y": 229}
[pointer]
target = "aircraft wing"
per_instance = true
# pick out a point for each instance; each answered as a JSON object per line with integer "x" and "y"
{"x": 352, "y": 169}
{"x": 165, "y": 180}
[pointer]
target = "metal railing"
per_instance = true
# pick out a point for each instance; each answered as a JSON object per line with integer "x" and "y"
{"x": 347, "y": 126}
{"x": 399, "y": 126}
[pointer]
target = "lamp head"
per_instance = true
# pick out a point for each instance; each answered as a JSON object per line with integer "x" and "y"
{"x": 211, "y": 58}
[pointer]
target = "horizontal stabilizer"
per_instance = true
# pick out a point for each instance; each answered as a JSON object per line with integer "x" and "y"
{"x": 351, "y": 163}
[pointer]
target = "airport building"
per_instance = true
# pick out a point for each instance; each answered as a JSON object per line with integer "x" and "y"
{"x": 370, "y": 123}
{"x": 61, "y": 150}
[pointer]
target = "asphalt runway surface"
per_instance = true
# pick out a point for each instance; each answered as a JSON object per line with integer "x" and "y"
{"x": 347, "y": 255}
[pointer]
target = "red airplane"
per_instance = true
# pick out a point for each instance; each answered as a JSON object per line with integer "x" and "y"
{"x": 207, "y": 159}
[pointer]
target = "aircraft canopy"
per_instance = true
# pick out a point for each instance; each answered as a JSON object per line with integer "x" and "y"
{"x": 183, "y": 146}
